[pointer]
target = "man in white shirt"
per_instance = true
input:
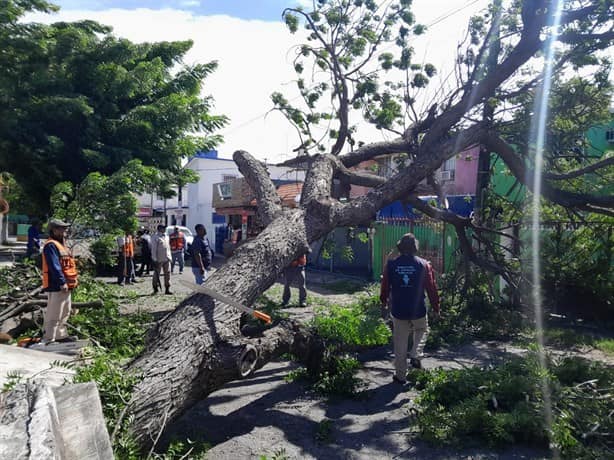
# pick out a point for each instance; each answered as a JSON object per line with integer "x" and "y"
{"x": 161, "y": 257}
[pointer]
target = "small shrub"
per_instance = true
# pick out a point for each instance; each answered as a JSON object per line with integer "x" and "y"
{"x": 324, "y": 431}
{"x": 358, "y": 324}
{"x": 474, "y": 313}
{"x": 104, "y": 250}
{"x": 335, "y": 377}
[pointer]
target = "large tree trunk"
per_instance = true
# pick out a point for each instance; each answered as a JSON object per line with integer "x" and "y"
{"x": 199, "y": 347}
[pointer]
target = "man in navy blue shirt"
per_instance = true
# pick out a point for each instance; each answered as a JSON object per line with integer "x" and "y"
{"x": 60, "y": 277}
{"x": 34, "y": 239}
{"x": 405, "y": 280}
{"x": 201, "y": 254}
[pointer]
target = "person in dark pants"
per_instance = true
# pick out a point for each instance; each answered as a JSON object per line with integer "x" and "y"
{"x": 126, "y": 260}
{"x": 201, "y": 254}
{"x": 295, "y": 271}
{"x": 405, "y": 280}
{"x": 34, "y": 239}
{"x": 144, "y": 241}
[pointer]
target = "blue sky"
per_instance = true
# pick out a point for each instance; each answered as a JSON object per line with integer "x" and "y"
{"x": 267, "y": 10}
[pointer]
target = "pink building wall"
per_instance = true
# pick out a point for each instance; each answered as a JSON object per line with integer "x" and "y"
{"x": 466, "y": 174}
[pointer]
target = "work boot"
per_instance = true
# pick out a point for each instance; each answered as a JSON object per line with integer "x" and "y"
{"x": 168, "y": 291}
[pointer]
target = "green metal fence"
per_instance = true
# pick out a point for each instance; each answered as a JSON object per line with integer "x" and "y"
{"x": 438, "y": 242}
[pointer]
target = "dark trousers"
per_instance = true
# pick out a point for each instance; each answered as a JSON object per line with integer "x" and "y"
{"x": 145, "y": 262}
{"x": 125, "y": 270}
{"x": 297, "y": 275}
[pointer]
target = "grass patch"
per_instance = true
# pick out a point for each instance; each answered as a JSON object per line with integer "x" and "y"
{"x": 503, "y": 405}
{"x": 605, "y": 345}
{"x": 324, "y": 431}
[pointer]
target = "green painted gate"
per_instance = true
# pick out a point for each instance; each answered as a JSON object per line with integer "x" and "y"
{"x": 437, "y": 243}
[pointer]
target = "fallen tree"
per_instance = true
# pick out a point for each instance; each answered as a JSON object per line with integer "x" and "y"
{"x": 200, "y": 346}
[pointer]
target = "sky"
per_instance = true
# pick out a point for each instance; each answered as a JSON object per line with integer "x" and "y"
{"x": 254, "y": 51}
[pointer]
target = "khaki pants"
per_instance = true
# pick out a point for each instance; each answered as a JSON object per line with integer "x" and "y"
{"x": 158, "y": 268}
{"x": 400, "y": 335}
{"x": 56, "y": 315}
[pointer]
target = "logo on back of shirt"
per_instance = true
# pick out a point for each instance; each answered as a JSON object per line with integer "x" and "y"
{"x": 406, "y": 273}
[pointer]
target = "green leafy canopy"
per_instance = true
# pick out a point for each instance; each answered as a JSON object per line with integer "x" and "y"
{"x": 74, "y": 99}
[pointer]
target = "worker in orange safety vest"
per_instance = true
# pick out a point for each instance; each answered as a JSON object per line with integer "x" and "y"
{"x": 177, "y": 243}
{"x": 60, "y": 277}
{"x": 126, "y": 271}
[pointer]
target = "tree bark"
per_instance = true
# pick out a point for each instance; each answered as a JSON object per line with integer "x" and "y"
{"x": 199, "y": 347}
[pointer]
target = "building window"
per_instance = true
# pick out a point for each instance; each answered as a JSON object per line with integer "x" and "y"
{"x": 225, "y": 190}
{"x": 228, "y": 177}
{"x": 609, "y": 136}
{"x": 448, "y": 169}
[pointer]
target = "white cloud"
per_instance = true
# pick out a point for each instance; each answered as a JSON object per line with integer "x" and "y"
{"x": 255, "y": 59}
{"x": 189, "y": 3}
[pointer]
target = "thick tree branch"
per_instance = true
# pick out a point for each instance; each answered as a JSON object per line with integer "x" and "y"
{"x": 583, "y": 201}
{"x": 256, "y": 175}
{"x": 526, "y": 48}
{"x": 319, "y": 179}
{"x": 370, "y": 151}
{"x": 405, "y": 181}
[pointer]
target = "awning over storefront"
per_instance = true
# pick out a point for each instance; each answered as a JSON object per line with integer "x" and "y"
{"x": 236, "y": 211}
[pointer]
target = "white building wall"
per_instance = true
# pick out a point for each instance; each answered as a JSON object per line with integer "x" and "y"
{"x": 213, "y": 171}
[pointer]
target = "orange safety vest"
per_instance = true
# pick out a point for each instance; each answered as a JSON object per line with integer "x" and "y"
{"x": 176, "y": 241}
{"x": 67, "y": 263}
{"x": 129, "y": 247}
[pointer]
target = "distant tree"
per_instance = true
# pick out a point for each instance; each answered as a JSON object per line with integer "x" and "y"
{"x": 74, "y": 99}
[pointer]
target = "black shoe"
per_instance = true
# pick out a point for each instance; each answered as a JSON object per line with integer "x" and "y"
{"x": 168, "y": 291}
{"x": 415, "y": 363}
{"x": 155, "y": 291}
{"x": 303, "y": 304}
{"x": 395, "y": 379}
